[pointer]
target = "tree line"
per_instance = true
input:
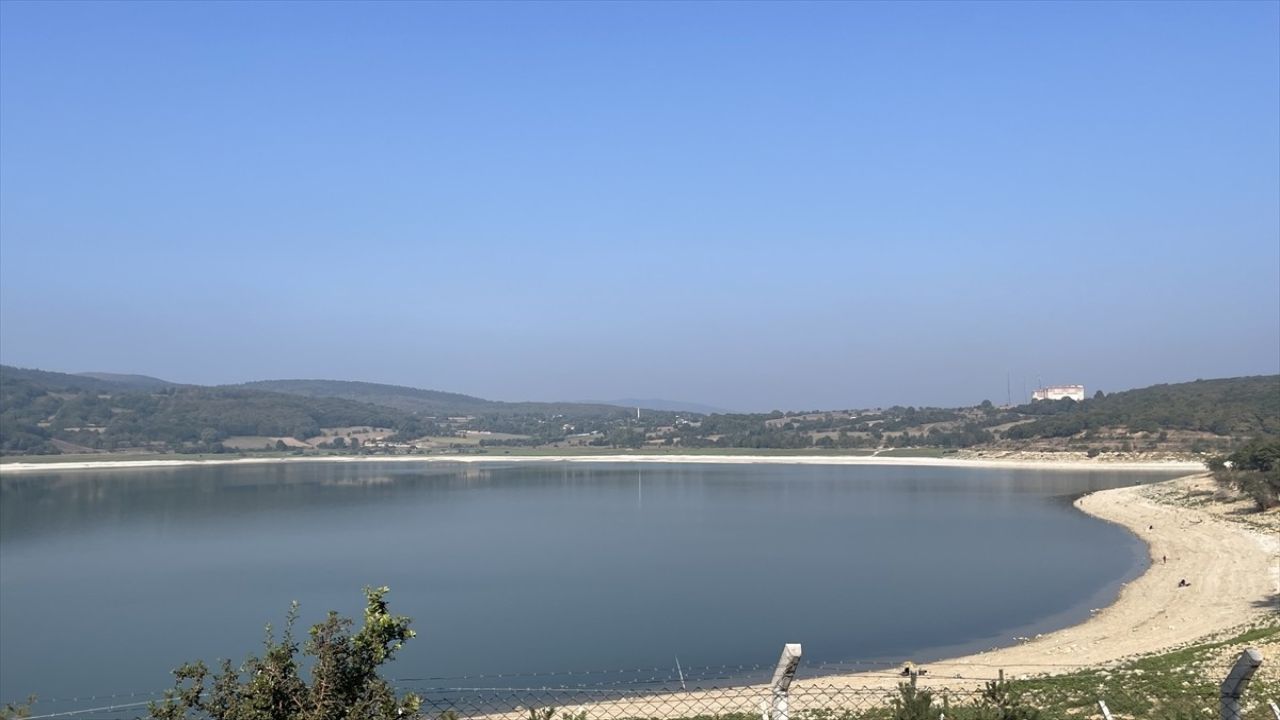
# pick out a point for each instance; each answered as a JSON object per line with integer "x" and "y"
{"x": 43, "y": 412}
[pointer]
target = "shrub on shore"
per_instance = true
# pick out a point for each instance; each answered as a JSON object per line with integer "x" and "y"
{"x": 1254, "y": 469}
{"x": 344, "y": 680}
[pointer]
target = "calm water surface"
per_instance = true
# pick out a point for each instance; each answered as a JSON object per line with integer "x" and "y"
{"x": 109, "y": 579}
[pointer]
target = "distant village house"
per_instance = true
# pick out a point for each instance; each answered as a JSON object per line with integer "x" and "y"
{"x": 1058, "y": 392}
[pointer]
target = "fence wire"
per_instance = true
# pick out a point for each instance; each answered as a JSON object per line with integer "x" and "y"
{"x": 890, "y": 698}
{"x": 887, "y": 700}
{"x": 877, "y": 691}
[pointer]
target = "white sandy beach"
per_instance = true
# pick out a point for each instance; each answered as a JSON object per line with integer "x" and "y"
{"x": 1233, "y": 568}
{"x": 1069, "y": 463}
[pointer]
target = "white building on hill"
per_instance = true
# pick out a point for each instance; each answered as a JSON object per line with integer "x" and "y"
{"x": 1057, "y": 392}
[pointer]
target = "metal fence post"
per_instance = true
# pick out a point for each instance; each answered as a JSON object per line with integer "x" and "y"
{"x": 782, "y": 678}
{"x": 1233, "y": 687}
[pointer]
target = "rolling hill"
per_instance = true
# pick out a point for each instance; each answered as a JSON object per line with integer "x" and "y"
{"x": 138, "y": 382}
{"x": 38, "y": 407}
{"x": 49, "y": 412}
{"x": 430, "y": 402}
{"x": 1243, "y": 406}
{"x": 668, "y": 406}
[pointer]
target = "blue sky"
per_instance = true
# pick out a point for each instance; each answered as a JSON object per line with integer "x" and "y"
{"x": 746, "y": 205}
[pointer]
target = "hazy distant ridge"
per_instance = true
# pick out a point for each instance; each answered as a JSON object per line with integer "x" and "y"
{"x": 1225, "y": 406}
{"x": 427, "y": 402}
{"x": 141, "y": 382}
{"x": 50, "y": 412}
{"x": 397, "y": 396}
{"x": 667, "y": 405}
{"x": 56, "y": 381}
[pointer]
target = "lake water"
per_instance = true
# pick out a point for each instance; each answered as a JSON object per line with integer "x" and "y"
{"x": 109, "y": 579}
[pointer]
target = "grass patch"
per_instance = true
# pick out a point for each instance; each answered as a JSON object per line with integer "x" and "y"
{"x": 1182, "y": 683}
{"x": 1177, "y": 685}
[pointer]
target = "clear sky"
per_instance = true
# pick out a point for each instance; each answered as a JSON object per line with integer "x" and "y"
{"x": 748, "y": 205}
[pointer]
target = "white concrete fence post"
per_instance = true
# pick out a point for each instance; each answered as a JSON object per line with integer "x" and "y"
{"x": 781, "y": 685}
{"x": 1233, "y": 687}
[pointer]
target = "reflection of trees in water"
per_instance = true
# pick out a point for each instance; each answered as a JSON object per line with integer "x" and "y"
{"x": 43, "y": 504}
{"x": 513, "y": 554}
{"x": 40, "y": 504}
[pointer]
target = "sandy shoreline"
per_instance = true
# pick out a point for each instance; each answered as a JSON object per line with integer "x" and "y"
{"x": 1233, "y": 568}
{"x": 1030, "y": 464}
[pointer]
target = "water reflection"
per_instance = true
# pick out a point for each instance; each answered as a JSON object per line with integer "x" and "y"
{"x": 540, "y": 566}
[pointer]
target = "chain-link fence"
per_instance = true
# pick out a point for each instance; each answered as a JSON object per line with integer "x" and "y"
{"x": 904, "y": 695}
{"x": 863, "y": 690}
{"x": 904, "y": 701}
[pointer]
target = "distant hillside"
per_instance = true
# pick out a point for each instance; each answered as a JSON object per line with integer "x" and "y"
{"x": 395, "y": 396}
{"x": 430, "y": 402}
{"x": 49, "y": 412}
{"x": 56, "y": 381}
{"x": 140, "y": 382}
{"x": 45, "y": 412}
{"x": 39, "y": 407}
{"x": 1244, "y": 406}
{"x": 667, "y": 405}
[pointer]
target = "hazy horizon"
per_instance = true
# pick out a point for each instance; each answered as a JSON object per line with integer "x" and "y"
{"x": 747, "y": 206}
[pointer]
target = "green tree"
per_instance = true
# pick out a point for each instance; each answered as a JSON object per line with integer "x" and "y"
{"x": 1254, "y": 469}
{"x": 344, "y": 681}
{"x": 1003, "y": 704}
{"x": 913, "y": 704}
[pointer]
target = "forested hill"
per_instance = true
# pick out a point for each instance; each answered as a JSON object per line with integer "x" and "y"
{"x": 60, "y": 382}
{"x": 45, "y": 412}
{"x": 137, "y": 382}
{"x": 48, "y": 412}
{"x": 1244, "y": 406}
{"x": 431, "y": 402}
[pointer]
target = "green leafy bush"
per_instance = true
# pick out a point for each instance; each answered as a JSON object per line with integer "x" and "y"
{"x": 344, "y": 681}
